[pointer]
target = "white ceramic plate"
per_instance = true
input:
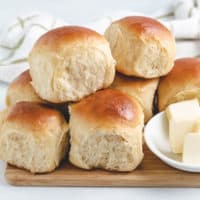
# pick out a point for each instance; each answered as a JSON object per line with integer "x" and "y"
{"x": 156, "y": 137}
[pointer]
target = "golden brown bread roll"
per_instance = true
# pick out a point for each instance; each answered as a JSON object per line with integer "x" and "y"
{"x": 33, "y": 137}
{"x": 142, "y": 46}
{"x": 141, "y": 89}
{"x": 106, "y": 131}
{"x": 182, "y": 83}
{"x": 21, "y": 90}
{"x": 69, "y": 63}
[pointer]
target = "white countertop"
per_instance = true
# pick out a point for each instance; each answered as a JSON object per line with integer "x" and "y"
{"x": 78, "y": 12}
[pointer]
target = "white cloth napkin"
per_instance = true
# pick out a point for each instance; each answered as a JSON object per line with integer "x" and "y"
{"x": 17, "y": 39}
{"x": 186, "y": 22}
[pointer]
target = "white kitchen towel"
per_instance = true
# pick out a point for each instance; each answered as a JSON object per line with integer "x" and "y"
{"x": 17, "y": 39}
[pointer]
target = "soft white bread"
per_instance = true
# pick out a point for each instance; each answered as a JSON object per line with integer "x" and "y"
{"x": 106, "y": 131}
{"x": 69, "y": 63}
{"x": 33, "y": 137}
{"x": 141, "y": 89}
{"x": 182, "y": 83}
{"x": 142, "y": 46}
{"x": 21, "y": 89}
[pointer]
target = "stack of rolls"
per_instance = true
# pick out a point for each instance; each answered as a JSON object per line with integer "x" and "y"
{"x": 144, "y": 50}
{"x": 75, "y": 67}
{"x": 66, "y": 65}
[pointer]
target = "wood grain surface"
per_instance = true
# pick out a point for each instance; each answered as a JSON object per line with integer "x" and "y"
{"x": 151, "y": 172}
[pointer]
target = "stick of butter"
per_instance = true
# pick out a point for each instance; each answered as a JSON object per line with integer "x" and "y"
{"x": 191, "y": 149}
{"x": 182, "y": 117}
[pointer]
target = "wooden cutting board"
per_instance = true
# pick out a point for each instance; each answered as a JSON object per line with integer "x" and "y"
{"x": 152, "y": 172}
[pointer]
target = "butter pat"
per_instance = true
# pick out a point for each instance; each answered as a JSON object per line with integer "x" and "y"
{"x": 182, "y": 117}
{"x": 191, "y": 149}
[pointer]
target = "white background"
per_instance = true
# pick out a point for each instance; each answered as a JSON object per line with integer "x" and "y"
{"x": 78, "y": 12}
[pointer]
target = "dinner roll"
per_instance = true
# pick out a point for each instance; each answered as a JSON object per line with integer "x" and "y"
{"x": 33, "y": 137}
{"x": 142, "y": 89}
{"x": 21, "y": 90}
{"x": 182, "y": 83}
{"x": 142, "y": 46}
{"x": 69, "y": 63}
{"x": 106, "y": 131}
